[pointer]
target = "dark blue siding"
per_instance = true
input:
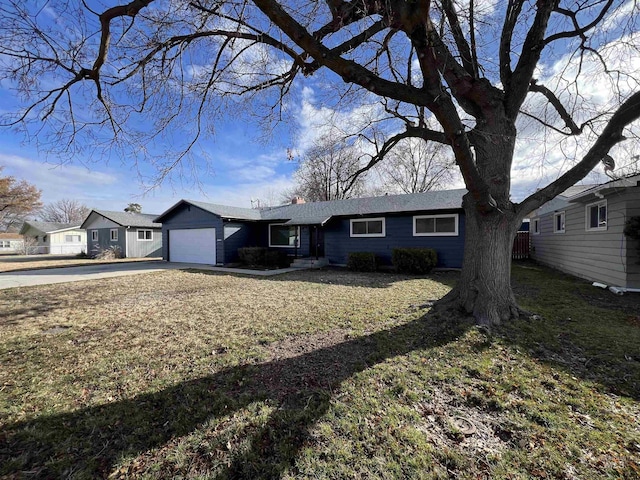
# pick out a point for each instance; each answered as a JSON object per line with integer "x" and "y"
{"x": 399, "y": 234}
{"x": 190, "y": 216}
{"x": 237, "y": 235}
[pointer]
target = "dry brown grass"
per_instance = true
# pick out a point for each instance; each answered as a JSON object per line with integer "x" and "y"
{"x": 11, "y": 263}
{"x": 316, "y": 374}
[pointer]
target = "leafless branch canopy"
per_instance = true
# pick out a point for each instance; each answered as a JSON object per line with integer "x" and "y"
{"x": 472, "y": 66}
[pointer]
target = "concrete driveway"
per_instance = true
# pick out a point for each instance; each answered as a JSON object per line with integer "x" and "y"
{"x": 46, "y": 276}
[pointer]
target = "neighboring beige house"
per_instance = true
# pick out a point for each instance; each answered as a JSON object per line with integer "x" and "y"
{"x": 581, "y": 232}
{"x": 54, "y": 238}
{"x": 11, "y": 243}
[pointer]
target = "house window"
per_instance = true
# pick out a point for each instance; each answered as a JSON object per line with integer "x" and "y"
{"x": 72, "y": 238}
{"x": 435, "y": 225}
{"x": 5, "y": 244}
{"x": 369, "y": 227}
{"x": 44, "y": 239}
{"x": 114, "y": 234}
{"x": 145, "y": 235}
{"x": 283, "y": 235}
{"x": 558, "y": 222}
{"x": 597, "y": 216}
{"x": 94, "y": 235}
{"x": 535, "y": 226}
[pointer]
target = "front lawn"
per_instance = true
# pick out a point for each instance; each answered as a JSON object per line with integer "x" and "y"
{"x": 315, "y": 374}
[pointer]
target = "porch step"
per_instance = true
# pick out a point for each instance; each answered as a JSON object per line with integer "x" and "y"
{"x": 309, "y": 263}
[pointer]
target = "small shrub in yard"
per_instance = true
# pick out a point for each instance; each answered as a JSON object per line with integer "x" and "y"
{"x": 414, "y": 260}
{"x": 276, "y": 259}
{"x": 110, "y": 253}
{"x": 82, "y": 254}
{"x": 362, "y": 262}
{"x": 252, "y": 255}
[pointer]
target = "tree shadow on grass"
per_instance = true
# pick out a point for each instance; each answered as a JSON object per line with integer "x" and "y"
{"x": 88, "y": 442}
{"x": 344, "y": 277}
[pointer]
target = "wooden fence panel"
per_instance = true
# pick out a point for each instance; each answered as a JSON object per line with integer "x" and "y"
{"x": 521, "y": 246}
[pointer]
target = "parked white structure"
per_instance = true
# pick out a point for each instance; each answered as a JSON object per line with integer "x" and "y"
{"x": 54, "y": 238}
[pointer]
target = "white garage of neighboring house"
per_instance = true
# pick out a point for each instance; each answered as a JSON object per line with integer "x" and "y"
{"x": 53, "y": 238}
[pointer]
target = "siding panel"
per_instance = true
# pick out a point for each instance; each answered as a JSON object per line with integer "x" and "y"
{"x": 399, "y": 234}
{"x": 141, "y": 249}
{"x": 595, "y": 255}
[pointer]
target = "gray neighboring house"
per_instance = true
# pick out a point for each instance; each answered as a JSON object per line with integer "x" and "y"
{"x": 199, "y": 232}
{"x": 54, "y": 238}
{"x": 581, "y": 232}
{"x": 135, "y": 234}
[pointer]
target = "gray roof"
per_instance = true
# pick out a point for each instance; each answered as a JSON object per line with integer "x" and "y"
{"x": 127, "y": 219}
{"x": 47, "y": 227}
{"x": 561, "y": 201}
{"x": 632, "y": 180}
{"x": 318, "y": 213}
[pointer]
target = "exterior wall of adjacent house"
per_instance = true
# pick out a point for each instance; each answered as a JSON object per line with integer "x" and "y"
{"x": 600, "y": 255}
{"x": 143, "y": 248}
{"x": 190, "y": 216}
{"x": 104, "y": 226}
{"x": 11, "y": 245}
{"x": 398, "y": 234}
{"x": 56, "y": 243}
{"x": 633, "y": 257}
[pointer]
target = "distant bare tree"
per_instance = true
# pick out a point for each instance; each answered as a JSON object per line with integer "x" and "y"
{"x": 133, "y": 208}
{"x": 65, "y": 211}
{"x": 17, "y": 200}
{"x": 416, "y": 166}
{"x": 326, "y": 172}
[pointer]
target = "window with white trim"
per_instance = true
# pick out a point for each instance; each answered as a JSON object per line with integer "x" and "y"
{"x": 113, "y": 234}
{"x": 283, "y": 235}
{"x": 145, "y": 235}
{"x": 435, "y": 225}
{"x": 535, "y": 226}
{"x": 596, "y": 216}
{"x": 94, "y": 235}
{"x": 5, "y": 243}
{"x": 72, "y": 238}
{"x": 367, "y": 227}
{"x": 558, "y": 222}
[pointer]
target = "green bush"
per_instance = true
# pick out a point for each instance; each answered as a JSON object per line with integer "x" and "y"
{"x": 263, "y": 257}
{"x": 252, "y": 255}
{"x": 362, "y": 262}
{"x": 414, "y": 260}
{"x": 276, "y": 259}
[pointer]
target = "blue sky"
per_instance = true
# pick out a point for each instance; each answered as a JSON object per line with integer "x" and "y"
{"x": 244, "y": 163}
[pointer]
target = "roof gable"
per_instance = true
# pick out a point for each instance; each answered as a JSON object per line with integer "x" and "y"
{"x": 126, "y": 219}
{"x": 47, "y": 227}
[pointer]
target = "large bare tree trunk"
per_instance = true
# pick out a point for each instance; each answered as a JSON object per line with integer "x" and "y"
{"x": 484, "y": 289}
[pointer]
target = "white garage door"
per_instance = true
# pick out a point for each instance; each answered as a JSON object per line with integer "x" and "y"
{"x": 193, "y": 245}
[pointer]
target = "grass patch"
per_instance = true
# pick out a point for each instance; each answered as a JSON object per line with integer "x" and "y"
{"x": 321, "y": 374}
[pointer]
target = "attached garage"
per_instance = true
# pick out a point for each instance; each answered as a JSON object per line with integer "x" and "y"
{"x": 193, "y": 245}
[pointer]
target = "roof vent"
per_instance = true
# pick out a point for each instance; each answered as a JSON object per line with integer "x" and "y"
{"x": 297, "y": 200}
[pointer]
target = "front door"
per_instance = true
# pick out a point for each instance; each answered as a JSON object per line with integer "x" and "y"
{"x": 316, "y": 239}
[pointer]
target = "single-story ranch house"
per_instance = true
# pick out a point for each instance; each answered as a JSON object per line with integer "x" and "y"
{"x": 199, "y": 232}
{"x": 134, "y": 234}
{"x": 11, "y": 242}
{"x": 581, "y": 232}
{"x": 54, "y": 238}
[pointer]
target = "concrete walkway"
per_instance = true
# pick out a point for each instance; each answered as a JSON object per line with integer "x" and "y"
{"x": 28, "y": 278}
